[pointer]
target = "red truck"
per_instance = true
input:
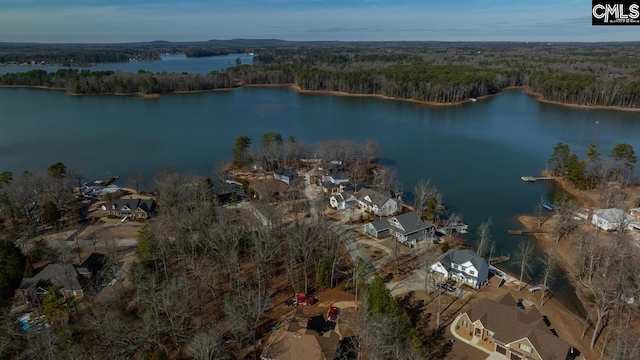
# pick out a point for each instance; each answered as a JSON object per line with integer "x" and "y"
{"x": 301, "y": 299}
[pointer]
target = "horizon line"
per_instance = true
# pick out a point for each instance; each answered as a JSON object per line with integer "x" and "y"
{"x": 316, "y": 41}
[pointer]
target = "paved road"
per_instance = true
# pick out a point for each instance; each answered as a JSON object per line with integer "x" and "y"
{"x": 308, "y": 191}
{"x": 353, "y": 246}
{"x": 350, "y": 242}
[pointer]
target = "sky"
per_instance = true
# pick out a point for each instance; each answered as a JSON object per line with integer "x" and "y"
{"x": 113, "y": 21}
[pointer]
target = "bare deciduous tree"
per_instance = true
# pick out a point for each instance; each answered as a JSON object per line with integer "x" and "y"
{"x": 484, "y": 237}
{"x": 548, "y": 266}
{"x": 136, "y": 179}
{"x": 523, "y": 255}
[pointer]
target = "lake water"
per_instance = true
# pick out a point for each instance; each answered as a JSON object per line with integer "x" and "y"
{"x": 475, "y": 153}
{"x": 169, "y": 63}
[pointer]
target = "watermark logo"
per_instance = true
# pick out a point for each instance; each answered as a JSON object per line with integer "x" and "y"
{"x": 615, "y": 12}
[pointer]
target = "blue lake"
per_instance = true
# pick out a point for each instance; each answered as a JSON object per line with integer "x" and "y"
{"x": 474, "y": 153}
{"x": 169, "y": 63}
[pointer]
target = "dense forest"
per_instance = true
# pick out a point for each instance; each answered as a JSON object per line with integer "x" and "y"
{"x": 582, "y": 74}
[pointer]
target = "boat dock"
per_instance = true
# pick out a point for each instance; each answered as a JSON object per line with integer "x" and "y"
{"x": 536, "y": 178}
{"x": 499, "y": 260}
{"x": 519, "y": 232}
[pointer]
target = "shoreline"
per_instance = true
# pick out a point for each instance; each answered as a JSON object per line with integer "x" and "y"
{"x": 297, "y": 89}
{"x": 563, "y": 249}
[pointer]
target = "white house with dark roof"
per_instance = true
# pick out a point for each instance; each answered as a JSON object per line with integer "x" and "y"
{"x": 343, "y": 200}
{"x": 462, "y": 265}
{"x": 372, "y": 201}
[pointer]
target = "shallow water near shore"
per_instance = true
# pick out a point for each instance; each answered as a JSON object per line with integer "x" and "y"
{"x": 474, "y": 153}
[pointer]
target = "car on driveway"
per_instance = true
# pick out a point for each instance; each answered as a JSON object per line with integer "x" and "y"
{"x": 447, "y": 287}
{"x": 332, "y": 314}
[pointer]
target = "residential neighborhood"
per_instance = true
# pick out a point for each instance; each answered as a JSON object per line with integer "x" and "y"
{"x": 299, "y": 262}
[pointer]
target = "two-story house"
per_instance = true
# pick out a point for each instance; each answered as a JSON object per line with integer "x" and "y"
{"x": 462, "y": 265}
{"x": 372, "y": 201}
{"x": 511, "y": 329}
{"x": 133, "y": 208}
{"x": 342, "y": 201}
{"x": 407, "y": 228}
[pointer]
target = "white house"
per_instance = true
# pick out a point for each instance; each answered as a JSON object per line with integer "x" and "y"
{"x": 343, "y": 200}
{"x": 336, "y": 178}
{"x": 462, "y": 265}
{"x": 613, "y": 220}
{"x": 381, "y": 205}
{"x": 284, "y": 175}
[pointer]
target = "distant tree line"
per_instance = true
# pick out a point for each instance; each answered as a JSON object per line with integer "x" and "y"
{"x": 108, "y": 82}
{"x": 436, "y": 72}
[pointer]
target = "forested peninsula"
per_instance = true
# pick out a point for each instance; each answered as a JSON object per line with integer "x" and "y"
{"x": 578, "y": 74}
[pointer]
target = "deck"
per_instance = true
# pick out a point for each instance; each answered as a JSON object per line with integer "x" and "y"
{"x": 536, "y": 178}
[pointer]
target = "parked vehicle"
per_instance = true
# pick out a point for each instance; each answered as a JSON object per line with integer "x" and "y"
{"x": 300, "y": 299}
{"x": 332, "y": 314}
{"x": 445, "y": 286}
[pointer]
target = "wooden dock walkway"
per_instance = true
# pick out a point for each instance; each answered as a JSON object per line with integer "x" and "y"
{"x": 536, "y": 178}
{"x": 499, "y": 260}
{"x": 519, "y": 232}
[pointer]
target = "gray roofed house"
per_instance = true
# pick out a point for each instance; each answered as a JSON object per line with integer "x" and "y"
{"x": 462, "y": 265}
{"x": 343, "y": 200}
{"x": 378, "y": 229}
{"x": 410, "y": 228}
{"x": 64, "y": 275}
{"x": 134, "y": 208}
{"x": 337, "y": 178}
{"x": 377, "y": 203}
{"x": 514, "y": 331}
{"x": 614, "y": 220}
{"x": 407, "y": 228}
{"x": 284, "y": 175}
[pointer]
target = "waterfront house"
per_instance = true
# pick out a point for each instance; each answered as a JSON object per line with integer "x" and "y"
{"x": 64, "y": 275}
{"x": 133, "y": 208}
{"x": 613, "y": 220}
{"x": 462, "y": 265}
{"x": 372, "y": 201}
{"x": 298, "y": 336}
{"x": 409, "y": 228}
{"x": 284, "y": 175}
{"x": 343, "y": 200}
{"x": 510, "y": 329}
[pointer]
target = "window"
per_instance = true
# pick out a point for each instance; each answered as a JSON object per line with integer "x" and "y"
{"x": 490, "y": 333}
{"x": 472, "y": 272}
{"x": 525, "y": 348}
{"x": 464, "y": 323}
